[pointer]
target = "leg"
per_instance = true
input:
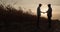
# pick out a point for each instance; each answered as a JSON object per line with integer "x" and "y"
{"x": 38, "y": 21}
{"x": 49, "y": 22}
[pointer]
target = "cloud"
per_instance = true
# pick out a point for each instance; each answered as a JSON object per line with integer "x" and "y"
{"x": 53, "y": 2}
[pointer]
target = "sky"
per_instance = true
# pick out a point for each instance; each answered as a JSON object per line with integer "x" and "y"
{"x": 33, "y": 4}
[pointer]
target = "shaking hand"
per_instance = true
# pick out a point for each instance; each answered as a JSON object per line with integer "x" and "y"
{"x": 43, "y": 12}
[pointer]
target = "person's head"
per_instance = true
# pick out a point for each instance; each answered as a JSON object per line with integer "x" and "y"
{"x": 49, "y": 5}
{"x": 40, "y": 5}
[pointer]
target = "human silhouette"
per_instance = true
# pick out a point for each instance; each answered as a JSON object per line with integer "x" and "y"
{"x": 49, "y": 14}
{"x": 38, "y": 14}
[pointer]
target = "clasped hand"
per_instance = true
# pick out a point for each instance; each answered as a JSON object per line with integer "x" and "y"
{"x": 43, "y": 12}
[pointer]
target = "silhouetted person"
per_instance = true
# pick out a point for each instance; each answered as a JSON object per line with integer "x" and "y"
{"x": 38, "y": 14}
{"x": 49, "y": 14}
